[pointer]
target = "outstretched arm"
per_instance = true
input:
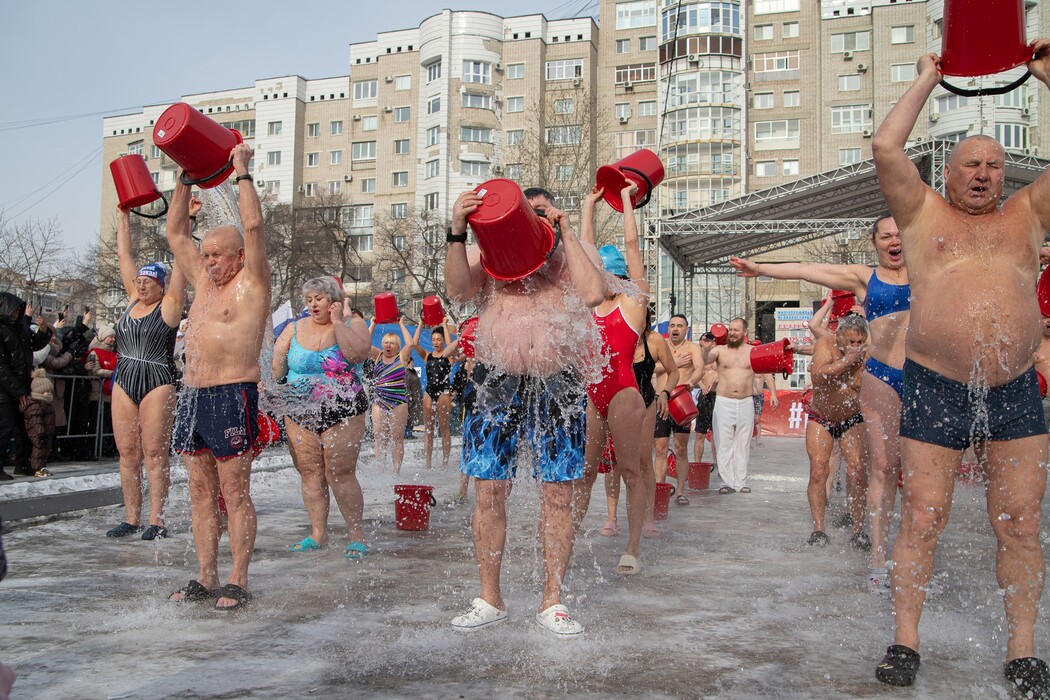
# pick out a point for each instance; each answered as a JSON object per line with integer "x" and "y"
{"x": 585, "y": 267}
{"x": 175, "y": 297}
{"x": 1039, "y": 191}
{"x": 128, "y": 270}
{"x": 587, "y": 215}
{"x": 632, "y": 249}
{"x": 851, "y": 277}
{"x": 255, "y": 260}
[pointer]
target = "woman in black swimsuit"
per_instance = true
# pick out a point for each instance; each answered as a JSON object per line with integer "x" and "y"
{"x": 144, "y": 381}
{"x": 438, "y": 391}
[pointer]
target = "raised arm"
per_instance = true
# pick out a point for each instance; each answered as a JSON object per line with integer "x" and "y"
{"x": 354, "y": 338}
{"x": 587, "y": 215}
{"x": 1039, "y": 191}
{"x": 899, "y": 179}
{"x": 408, "y": 344}
{"x": 255, "y": 260}
{"x": 818, "y": 325}
{"x": 187, "y": 256}
{"x": 585, "y": 266}
{"x": 128, "y": 270}
{"x": 175, "y": 296}
{"x": 632, "y": 249}
{"x": 851, "y": 277}
{"x": 463, "y": 274}
{"x": 826, "y": 368}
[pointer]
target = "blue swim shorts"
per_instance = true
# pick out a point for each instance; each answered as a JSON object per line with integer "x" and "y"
{"x": 221, "y": 419}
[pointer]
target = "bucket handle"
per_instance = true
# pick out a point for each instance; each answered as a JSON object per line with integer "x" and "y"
{"x": 184, "y": 179}
{"x": 433, "y": 501}
{"x": 153, "y": 216}
{"x": 649, "y": 189}
{"x": 979, "y": 92}
{"x": 673, "y": 490}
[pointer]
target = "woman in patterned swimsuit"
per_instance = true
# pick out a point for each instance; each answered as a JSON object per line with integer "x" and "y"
{"x": 325, "y": 409}
{"x": 390, "y": 395}
{"x": 143, "y": 399}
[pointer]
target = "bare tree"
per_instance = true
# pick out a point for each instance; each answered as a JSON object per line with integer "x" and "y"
{"x": 409, "y": 255}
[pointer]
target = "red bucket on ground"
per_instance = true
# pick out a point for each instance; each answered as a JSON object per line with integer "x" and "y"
{"x": 386, "y": 307}
{"x": 700, "y": 475}
{"x": 672, "y": 465}
{"x": 1043, "y": 293}
{"x": 135, "y": 186}
{"x": 841, "y": 303}
{"x": 983, "y": 37}
{"x": 412, "y": 506}
{"x": 199, "y": 144}
{"x": 661, "y": 500}
{"x": 681, "y": 405}
{"x": 514, "y": 240}
{"x": 721, "y": 333}
{"x": 774, "y": 357}
{"x": 433, "y": 312}
{"x": 467, "y": 333}
{"x": 642, "y": 167}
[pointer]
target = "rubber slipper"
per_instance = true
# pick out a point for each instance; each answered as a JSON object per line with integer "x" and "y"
{"x": 556, "y": 619}
{"x": 356, "y": 551}
{"x": 650, "y": 532}
{"x": 726, "y": 489}
{"x": 233, "y": 592}
{"x": 682, "y": 500}
{"x": 306, "y": 545}
{"x": 609, "y": 529}
{"x": 481, "y": 614}
{"x": 194, "y": 592}
{"x": 630, "y": 563}
{"x": 745, "y": 489}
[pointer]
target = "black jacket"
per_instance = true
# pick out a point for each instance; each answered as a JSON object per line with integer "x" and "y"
{"x": 16, "y": 358}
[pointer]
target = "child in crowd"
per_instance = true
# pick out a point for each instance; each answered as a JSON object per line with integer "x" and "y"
{"x": 39, "y": 417}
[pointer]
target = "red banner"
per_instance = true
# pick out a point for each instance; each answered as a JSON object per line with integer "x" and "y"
{"x": 790, "y": 417}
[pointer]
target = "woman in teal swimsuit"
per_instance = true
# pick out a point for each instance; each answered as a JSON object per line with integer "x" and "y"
{"x": 325, "y": 406}
{"x": 390, "y": 395}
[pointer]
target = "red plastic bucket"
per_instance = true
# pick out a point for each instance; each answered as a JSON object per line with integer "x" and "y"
{"x": 386, "y": 307}
{"x": 412, "y": 506}
{"x": 1042, "y": 291}
{"x": 269, "y": 433}
{"x": 721, "y": 333}
{"x": 774, "y": 357}
{"x": 642, "y": 167}
{"x": 200, "y": 145}
{"x": 1042, "y": 384}
{"x": 681, "y": 405}
{"x": 608, "y": 459}
{"x": 699, "y": 475}
{"x": 433, "y": 312}
{"x": 661, "y": 500}
{"x": 135, "y": 186}
{"x": 514, "y": 240}
{"x": 983, "y": 37}
{"x": 672, "y": 465}
{"x": 467, "y": 333}
{"x": 841, "y": 303}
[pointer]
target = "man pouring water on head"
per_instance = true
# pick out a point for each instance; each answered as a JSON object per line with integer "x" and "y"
{"x": 968, "y": 375}
{"x": 530, "y": 397}
{"x": 215, "y": 421}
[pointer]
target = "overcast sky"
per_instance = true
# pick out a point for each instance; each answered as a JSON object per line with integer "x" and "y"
{"x": 68, "y": 63}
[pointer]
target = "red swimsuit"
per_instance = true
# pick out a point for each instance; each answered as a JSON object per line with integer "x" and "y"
{"x": 619, "y": 341}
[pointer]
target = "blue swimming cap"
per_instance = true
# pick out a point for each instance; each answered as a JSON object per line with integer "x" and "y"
{"x": 155, "y": 270}
{"x": 612, "y": 258}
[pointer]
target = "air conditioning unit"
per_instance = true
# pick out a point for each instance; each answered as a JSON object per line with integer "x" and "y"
{"x": 260, "y": 184}
{"x": 357, "y": 117}
{"x": 498, "y": 65}
{"x": 389, "y": 79}
{"x": 934, "y": 117}
{"x": 624, "y": 120}
{"x": 628, "y": 85}
{"x": 693, "y": 58}
{"x": 388, "y": 109}
{"x": 1028, "y": 151}
{"x": 348, "y": 178}
{"x": 1026, "y": 112}
{"x": 862, "y": 67}
{"x": 576, "y": 82}
{"x": 866, "y": 133}
{"x": 300, "y": 189}
{"x": 497, "y": 169}
{"x": 848, "y": 55}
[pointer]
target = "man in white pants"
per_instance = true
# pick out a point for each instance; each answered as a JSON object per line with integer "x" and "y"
{"x": 734, "y": 417}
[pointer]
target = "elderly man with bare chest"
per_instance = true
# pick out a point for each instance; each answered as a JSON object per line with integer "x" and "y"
{"x": 968, "y": 375}
{"x": 529, "y": 395}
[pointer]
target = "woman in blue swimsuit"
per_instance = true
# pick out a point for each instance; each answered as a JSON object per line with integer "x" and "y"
{"x": 325, "y": 406}
{"x": 887, "y": 300}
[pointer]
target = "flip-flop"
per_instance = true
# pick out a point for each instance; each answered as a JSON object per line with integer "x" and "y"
{"x": 306, "y": 545}
{"x": 194, "y": 592}
{"x": 630, "y": 563}
{"x": 233, "y": 592}
{"x": 650, "y": 532}
{"x": 682, "y": 500}
{"x": 745, "y": 489}
{"x": 356, "y": 551}
{"x": 609, "y": 529}
{"x": 726, "y": 489}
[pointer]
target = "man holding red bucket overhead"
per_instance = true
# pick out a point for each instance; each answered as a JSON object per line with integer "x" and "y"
{"x": 968, "y": 375}
{"x": 534, "y": 297}
{"x": 216, "y": 417}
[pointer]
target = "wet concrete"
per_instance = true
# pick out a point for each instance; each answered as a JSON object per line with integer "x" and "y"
{"x": 730, "y": 603}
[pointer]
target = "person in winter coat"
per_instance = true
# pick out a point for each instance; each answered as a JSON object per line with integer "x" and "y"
{"x": 39, "y": 417}
{"x": 16, "y": 360}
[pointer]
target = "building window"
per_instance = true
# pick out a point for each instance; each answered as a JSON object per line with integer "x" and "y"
{"x": 434, "y": 71}
{"x": 401, "y": 178}
{"x": 337, "y": 128}
{"x": 850, "y": 119}
{"x": 514, "y": 171}
{"x": 402, "y": 114}
{"x": 765, "y": 168}
{"x": 273, "y": 158}
{"x": 403, "y": 82}
{"x": 775, "y": 61}
{"x": 1012, "y": 136}
{"x": 849, "y": 156}
{"x": 848, "y": 83}
{"x": 402, "y": 147}
{"x": 335, "y": 157}
{"x": 778, "y": 130}
{"x": 433, "y": 136}
{"x": 623, "y": 46}
{"x": 631, "y": 15}
{"x": 475, "y": 134}
{"x": 1015, "y": 98}
{"x": 431, "y": 201}
{"x": 792, "y": 98}
{"x": 635, "y": 73}
{"x": 273, "y": 187}
{"x": 706, "y": 17}
{"x": 399, "y": 210}
{"x": 850, "y": 41}
{"x": 476, "y": 101}
{"x": 563, "y": 172}
{"x": 623, "y": 110}
{"x": 722, "y": 164}
{"x": 647, "y": 108}
{"x": 358, "y": 217}
{"x": 564, "y": 135}
{"x": 135, "y": 148}
{"x": 515, "y": 136}
{"x": 311, "y": 189}
{"x": 790, "y": 167}
{"x": 397, "y": 276}
{"x": 334, "y": 187}
{"x": 313, "y": 130}
{"x": 515, "y": 104}
{"x": 564, "y": 106}
{"x": 763, "y": 32}
{"x": 366, "y": 89}
{"x": 902, "y": 35}
{"x": 154, "y": 152}
{"x": 434, "y": 105}
{"x": 477, "y": 72}
{"x": 947, "y": 103}
{"x": 398, "y": 243}
{"x": 432, "y": 168}
{"x": 273, "y": 128}
{"x": 769, "y": 7}
{"x": 515, "y": 71}
{"x": 313, "y": 160}
{"x": 369, "y": 123}
{"x": 790, "y": 30}
{"x": 363, "y": 243}
{"x": 473, "y": 168}
{"x": 647, "y": 43}
{"x": 565, "y": 70}
{"x": 902, "y": 72}
{"x": 363, "y": 150}
{"x": 368, "y": 185}
{"x": 762, "y": 100}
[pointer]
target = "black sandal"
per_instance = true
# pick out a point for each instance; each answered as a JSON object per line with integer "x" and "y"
{"x": 1030, "y": 676}
{"x": 194, "y": 592}
{"x": 234, "y": 592}
{"x": 899, "y": 667}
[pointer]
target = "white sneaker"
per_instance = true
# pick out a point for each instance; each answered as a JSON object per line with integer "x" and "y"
{"x": 556, "y": 619}
{"x": 879, "y": 580}
{"x": 481, "y": 614}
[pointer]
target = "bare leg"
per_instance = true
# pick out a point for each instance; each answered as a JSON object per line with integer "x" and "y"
{"x": 626, "y": 412}
{"x": 490, "y": 535}
{"x": 698, "y": 447}
{"x": 557, "y": 534}
{"x": 645, "y": 457}
{"x": 429, "y": 420}
{"x": 597, "y": 436}
{"x": 204, "y": 515}
{"x": 444, "y": 411}
{"x": 818, "y": 447}
{"x": 398, "y": 421}
{"x": 235, "y": 482}
{"x": 882, "y": 418}
{"x": 381, "y": 433}
{"x": 852, "y": 445}
{"x": 309, "y": 461}
{"x": 342, "y": 446}
{"x": 612, "y": 491}
{"x": 660, "y": 444}
{"x": 157, "y": 412}
{"x": 681, "y": 447}
{"x": 126, "y": 432}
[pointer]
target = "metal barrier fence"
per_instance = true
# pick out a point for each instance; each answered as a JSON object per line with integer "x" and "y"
{"x": 69, "y": 400}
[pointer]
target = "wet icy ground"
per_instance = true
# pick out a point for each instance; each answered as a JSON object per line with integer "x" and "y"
{"x": 730, "y": 603}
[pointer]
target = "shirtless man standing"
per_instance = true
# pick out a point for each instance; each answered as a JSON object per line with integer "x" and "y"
{"x": 215, "y": 421}
{"x": 528, "y": 391}
{"x": 687, "y": 356}
{"x": 705, "y": 402}
{"x": 834, "y": 416}
{"x": 734, "y": 418}
{"x": 968, "y": 375}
